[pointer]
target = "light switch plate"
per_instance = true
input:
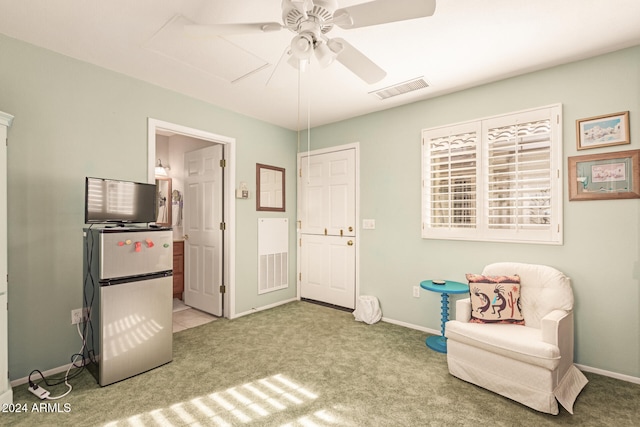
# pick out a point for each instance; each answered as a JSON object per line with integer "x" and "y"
{"x": 368, "y": 224}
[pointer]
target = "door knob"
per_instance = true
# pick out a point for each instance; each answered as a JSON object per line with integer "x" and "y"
{"x": 185, "y": 237}
{"x": 350, "y": 243}
{"x": 350, "y": 228}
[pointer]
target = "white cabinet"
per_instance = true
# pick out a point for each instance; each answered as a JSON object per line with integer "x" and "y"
{"x": 6, "y": 394}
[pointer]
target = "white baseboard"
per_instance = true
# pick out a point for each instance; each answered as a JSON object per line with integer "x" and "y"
{"x": 265, "y": 307}
{"x": 411, "y": 326}
{"x": 48, "y": 373}
{"x": 622, "y": 377}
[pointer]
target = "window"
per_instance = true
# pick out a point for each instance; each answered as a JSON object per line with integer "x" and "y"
{"x": 494, "y": 179}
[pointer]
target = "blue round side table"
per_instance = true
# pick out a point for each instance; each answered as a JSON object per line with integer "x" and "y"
{"x": 434, "y": 342}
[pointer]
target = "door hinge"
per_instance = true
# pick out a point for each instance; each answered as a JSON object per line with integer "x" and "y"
{"x": 300, "y": 277}
{"x": 300, "y": 172}
{"x": 223, "y": 289}
{"x": 223, "y": 163}
{"x": 300, "y": 242}
{"x": 223, "y": 226}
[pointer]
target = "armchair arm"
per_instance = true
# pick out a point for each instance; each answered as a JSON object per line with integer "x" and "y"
{"x": 557, "y": 329}
{"x": 463, "y": 310}
{"x": 552, "y": 326}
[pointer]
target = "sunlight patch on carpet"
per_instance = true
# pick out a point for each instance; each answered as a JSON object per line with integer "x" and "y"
{"x": 241, "y": 404}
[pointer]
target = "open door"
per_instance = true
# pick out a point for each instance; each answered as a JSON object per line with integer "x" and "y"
{"x": 203, "y": 229}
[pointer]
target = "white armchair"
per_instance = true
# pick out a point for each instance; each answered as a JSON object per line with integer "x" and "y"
{"x": 531, "y": 364}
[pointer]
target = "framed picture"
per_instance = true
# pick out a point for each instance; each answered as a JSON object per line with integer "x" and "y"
{"x": 605, "y": 176}
{"x": 270, "y": 184}
{"x": 603, "y": 131}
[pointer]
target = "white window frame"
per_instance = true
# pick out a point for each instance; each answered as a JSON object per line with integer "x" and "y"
{"x": 478, "y": 227}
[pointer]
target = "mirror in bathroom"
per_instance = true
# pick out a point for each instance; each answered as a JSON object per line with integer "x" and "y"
{"x": 270, "y": 188}
{"x": 163, "y": 201}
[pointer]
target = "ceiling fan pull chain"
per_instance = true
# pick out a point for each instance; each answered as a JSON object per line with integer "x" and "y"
{"x": 309, "y": 115}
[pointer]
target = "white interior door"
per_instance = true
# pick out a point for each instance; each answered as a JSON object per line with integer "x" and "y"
{"x": 203, "y": 235}
{"x": 327, "y": 227}
{"x": 328, "y": 193}
{"x": 328, "y": 269}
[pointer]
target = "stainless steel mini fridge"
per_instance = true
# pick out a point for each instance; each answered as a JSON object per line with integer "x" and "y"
{"x": 128, "y": 291}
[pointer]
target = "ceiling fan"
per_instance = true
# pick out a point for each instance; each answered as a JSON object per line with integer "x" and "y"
{"x": 311, "y": 20}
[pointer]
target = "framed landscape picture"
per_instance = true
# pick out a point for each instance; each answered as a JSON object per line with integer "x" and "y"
{"x": 603, "y": 131}
{"x": 605, "y": 176}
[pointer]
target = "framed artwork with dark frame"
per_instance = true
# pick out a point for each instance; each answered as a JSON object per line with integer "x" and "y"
{"x": 605, "y": 176}
{"x": 603, "y": 131}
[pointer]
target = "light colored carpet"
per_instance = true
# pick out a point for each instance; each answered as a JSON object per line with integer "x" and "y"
{"x": 302, "y": 364}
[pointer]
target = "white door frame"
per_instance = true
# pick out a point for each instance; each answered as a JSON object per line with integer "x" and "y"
{"x": 229, "y": 195}
{"x": 356, "y": 147}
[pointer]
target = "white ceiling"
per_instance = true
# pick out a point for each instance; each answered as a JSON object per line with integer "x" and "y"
{"x": 464, "y": 44}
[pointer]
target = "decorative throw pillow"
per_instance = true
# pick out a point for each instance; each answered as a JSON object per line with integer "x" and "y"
{"x": 495, "y": 299}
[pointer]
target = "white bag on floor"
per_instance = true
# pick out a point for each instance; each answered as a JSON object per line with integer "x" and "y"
{"x": 367, "y": 309}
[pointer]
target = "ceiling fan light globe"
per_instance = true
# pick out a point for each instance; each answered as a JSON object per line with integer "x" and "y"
{"x": 301, "y": 46}
{"x": 324, "y": 55}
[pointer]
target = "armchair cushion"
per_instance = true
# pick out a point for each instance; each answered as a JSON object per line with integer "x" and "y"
{"x": 544, "y": 289}
{"x": 495, "y": 299}
{"x": 521, "y": 343}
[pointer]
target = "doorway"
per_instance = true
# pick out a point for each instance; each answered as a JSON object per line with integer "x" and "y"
{"x": 172, "y": 141}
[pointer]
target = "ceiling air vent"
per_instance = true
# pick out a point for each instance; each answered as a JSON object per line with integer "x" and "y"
{"x": 400, "y": 88}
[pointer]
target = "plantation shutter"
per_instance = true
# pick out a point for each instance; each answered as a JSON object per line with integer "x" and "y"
{"x": 450, "y": 162}
{"x": 518, "y": 173}
{"x": 495, "y": 179}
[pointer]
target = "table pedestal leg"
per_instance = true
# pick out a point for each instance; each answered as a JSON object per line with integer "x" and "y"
{"x": 439, "y": 343}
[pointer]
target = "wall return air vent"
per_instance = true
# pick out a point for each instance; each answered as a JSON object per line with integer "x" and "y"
{"x": 400, "y": 88}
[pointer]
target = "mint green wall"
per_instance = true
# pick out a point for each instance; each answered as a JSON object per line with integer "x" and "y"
{"x": 601, "y": 238}
{"x": 73, "y": 119}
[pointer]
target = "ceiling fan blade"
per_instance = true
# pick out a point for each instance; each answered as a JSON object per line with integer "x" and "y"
{"x": 357, "y": 62}
{"x": 228, "y": 29}
{"x": 381, "y": 12}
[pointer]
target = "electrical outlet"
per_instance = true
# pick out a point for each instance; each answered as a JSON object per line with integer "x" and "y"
{"x": 78, "y": 315}
{"x": 416, "y": 292}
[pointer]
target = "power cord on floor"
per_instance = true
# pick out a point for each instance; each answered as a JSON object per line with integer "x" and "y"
{"x": 42, "y": 393}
